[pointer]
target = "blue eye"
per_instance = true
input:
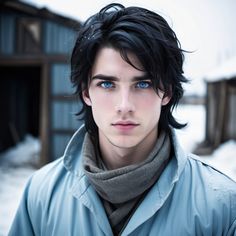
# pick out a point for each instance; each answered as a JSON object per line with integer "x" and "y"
{"x": 143, "y": 85}
{"x": 106, "y": 84}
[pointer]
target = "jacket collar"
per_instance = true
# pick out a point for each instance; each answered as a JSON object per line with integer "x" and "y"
{"x": 72, "y": 156}
{"x": 81, "y": 188}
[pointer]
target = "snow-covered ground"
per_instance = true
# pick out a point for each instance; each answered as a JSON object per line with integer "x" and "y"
{"x": 13, "y": 181}
{"x": 15, "y": 169}
{"x": 16, "y": 165}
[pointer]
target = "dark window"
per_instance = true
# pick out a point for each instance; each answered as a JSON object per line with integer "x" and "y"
{"x": 19, "y": 103}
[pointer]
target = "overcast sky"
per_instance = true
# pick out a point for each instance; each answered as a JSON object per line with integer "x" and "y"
{"x": 205, "y": 27}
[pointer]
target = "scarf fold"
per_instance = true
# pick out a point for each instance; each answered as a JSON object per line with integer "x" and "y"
{"x": 121, "y": 189}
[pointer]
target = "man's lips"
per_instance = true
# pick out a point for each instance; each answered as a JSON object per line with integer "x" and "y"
{"x": 125, "y": 125}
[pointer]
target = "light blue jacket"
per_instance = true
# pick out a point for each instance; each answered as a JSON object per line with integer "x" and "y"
{"x": 190, "y": 198}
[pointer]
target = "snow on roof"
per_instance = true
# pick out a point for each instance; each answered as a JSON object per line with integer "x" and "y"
{"x": 225, "y": 71}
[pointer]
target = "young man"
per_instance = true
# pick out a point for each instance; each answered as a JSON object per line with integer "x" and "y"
{"x": 124, "y": 172}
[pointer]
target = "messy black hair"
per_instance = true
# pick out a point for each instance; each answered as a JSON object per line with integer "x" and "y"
{"x": 131, "y": 30}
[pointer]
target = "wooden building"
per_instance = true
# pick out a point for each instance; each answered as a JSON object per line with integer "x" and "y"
{"x": 220, "y": 107}
{"x": 35, "y": 89}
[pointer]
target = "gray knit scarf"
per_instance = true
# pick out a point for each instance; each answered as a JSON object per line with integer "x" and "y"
{"x": 122, "y": 189}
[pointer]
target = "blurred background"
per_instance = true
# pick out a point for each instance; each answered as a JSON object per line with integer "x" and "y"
{"x": 36, "y": 101}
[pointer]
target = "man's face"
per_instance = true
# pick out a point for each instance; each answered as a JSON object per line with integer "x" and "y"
{"x": 125, "y": 106}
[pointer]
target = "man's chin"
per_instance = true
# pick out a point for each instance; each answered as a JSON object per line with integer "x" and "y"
{"x": 122, "y": 143}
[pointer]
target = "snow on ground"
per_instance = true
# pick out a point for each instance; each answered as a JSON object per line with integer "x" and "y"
{"x": 194, "y": 132}
{"x": 15, "y": 169}
{"x": 16, "y": 165}
{"x": 13, "y": 181}
{"x": 25, "y": 153}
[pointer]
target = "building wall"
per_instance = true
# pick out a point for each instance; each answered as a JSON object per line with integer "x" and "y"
{"x": 63, "y": 108}
{"x": 7, "y": 33}
{"x": 50, "y": 47}
{"x": 221, "y": 112}
{"x": 58, "y": 39}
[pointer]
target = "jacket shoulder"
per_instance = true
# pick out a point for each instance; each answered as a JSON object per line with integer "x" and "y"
{"x": 215, "y": 189}
{"x": 46, "y": 179}
{"x": 210, "y": 174}
{"x": 43, "y": 184}
{"x": 210, "y": 194}
{"x": 36, "y": 199}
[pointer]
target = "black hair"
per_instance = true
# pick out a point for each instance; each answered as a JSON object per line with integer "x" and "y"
{"x": 145, "y": 34}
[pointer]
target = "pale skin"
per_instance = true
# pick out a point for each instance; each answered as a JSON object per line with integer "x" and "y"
{"x": 125, "y": 108}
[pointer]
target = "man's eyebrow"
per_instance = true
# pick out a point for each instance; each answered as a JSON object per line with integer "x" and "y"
{"x": 141, "y": 77}
{"x": 114, "y": 78}
{"x": 104, "y": 77}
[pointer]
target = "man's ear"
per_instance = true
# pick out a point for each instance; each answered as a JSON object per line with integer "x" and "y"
{"x": 165, "y": 100}
{"x": 86, "y": 97}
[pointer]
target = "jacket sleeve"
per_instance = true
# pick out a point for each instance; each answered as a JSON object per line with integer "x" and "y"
{"x": 22, "y": 223}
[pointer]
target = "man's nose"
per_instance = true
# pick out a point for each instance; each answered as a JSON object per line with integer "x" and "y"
{"x": 125, "y": 102}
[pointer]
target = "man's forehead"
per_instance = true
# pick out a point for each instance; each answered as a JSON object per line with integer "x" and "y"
{"x": 126, "y": 55}
{"x": 110, "y": 63}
